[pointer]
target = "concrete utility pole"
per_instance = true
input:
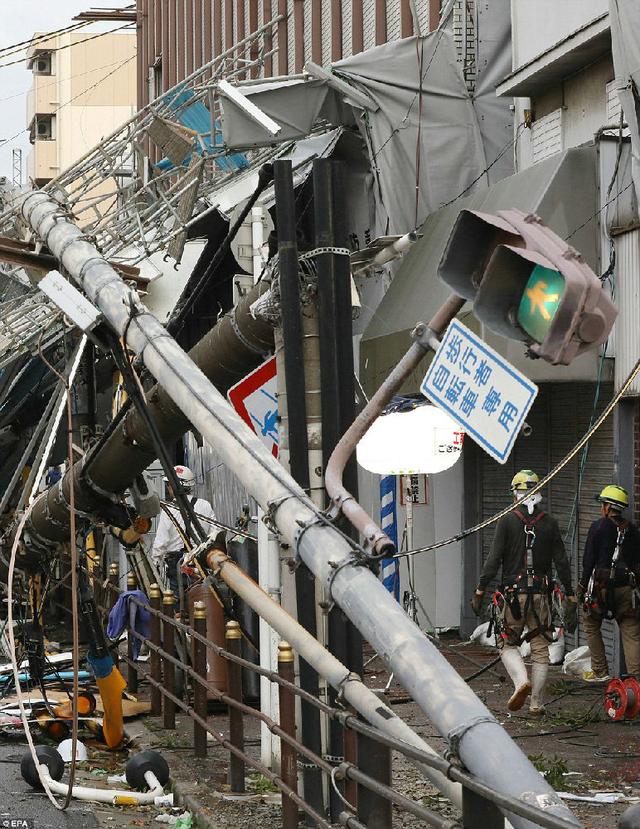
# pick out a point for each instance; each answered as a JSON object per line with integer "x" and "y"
{"x": 472, "y": 731}
{"x": 292, "y": 409}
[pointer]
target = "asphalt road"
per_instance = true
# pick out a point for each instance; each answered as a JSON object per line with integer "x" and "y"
{"x": 19, "y": 801}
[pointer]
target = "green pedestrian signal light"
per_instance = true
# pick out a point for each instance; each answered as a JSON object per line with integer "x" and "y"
{"x": 527, "y": 284}
{"x": 542, "y": 295}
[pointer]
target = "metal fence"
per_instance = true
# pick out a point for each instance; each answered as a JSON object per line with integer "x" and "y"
{"x": 365, "y": 788}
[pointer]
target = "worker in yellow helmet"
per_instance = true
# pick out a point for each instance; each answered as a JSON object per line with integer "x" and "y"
{"x": 526, "y": 545}
{"x": 607, "y": 589}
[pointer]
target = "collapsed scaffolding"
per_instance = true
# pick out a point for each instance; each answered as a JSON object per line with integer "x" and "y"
{"x": 156, "y": 177}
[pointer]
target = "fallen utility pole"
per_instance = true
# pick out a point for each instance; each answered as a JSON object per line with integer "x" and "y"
{"x": 473, "y": 733}
{"x": 235, "y": 346}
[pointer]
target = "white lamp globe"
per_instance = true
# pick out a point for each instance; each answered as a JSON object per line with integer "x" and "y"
{"x": 424, "y": 440}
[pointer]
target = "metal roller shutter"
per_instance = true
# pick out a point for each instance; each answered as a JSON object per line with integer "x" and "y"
{"x": 560, "y": 416}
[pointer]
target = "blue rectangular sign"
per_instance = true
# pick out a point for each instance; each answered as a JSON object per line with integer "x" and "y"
{"x": 484, "y": 393}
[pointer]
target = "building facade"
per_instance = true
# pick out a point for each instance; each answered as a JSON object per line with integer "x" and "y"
{"x": 83, "y": 88}
{"x": 177, "y": 36}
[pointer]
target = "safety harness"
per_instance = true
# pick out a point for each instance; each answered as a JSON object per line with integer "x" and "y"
{"x": 600, "y": 594}
{"x": 508, "y": 595}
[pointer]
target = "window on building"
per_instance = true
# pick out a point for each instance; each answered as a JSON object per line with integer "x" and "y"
{"x": 42, "y": 128}
{"x": 155, "y": 79}
{"x": 43, "y": 64}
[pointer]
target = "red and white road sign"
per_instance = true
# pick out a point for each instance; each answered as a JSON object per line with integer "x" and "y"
{"x": 255, "y": 399}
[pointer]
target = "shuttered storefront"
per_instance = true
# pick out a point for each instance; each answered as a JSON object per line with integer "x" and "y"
{"x": 560, "y": 416}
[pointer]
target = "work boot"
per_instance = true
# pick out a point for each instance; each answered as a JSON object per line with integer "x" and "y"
{"x": 514, "y": 664}
{"x": 538, "y": 681}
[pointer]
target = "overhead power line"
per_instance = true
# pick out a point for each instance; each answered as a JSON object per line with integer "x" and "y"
{"x": 70, "y": 45}
{"x": 6, "y": 51}
{"x": 71, "y": 100}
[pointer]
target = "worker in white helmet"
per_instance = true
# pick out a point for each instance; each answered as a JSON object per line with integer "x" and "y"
{"x": 169, "y": 544}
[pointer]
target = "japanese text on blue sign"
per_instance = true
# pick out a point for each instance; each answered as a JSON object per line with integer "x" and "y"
{"x": 479, "y": 389}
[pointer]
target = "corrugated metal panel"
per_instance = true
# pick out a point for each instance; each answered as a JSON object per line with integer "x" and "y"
{"x": 306, "y": 9}
{"x": 326, "y": 32}
{"x": 393, "y": 19}
{"x": 247, "y": 26}
{"x": 422, "y": 10}
{"x": 369, "y": 23}
{"x": 546, "y": 136}
{"x": 215, "y": 482}
{"x": 613, "y": 103}
{"x": 627, "y": 327}
{"x": 291, "y": 36}
{"x": 346, "y": 28}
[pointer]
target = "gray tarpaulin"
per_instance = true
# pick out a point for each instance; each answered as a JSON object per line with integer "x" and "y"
{"x": 450, "y": 142}
{"x": 296, "y": 105}
{"x": 625, "y": 42}
{"x": 425, "y": 134}
{"x": 493, "y": 64}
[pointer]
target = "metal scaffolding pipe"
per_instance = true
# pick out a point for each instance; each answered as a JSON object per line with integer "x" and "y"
{"x": 471, "y": 730}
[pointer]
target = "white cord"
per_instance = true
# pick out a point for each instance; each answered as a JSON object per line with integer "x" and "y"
{"x": 338, "y": 792}
{"x": 14, "y": 663}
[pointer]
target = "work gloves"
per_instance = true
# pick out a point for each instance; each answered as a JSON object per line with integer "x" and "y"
{"x": 477, "y": 603}
{"x": 570, "y": 613}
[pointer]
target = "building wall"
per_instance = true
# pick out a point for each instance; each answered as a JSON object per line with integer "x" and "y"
{"x": 91, "y": 91}
{"x": 179, "y": 36}
{"x": 539, "y": 24}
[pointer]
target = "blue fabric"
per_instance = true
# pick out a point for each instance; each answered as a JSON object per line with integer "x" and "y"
{"x": 390, "y": 567}
{"x": 197, "y": 117}
{"x": 129, "y": 615}
{"x": 100, "y": 665}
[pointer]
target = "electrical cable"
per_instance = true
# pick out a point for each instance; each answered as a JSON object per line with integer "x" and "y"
{"x": 70, "y": 45}
{"x": 135, "y": 390}
{"x": 17, "y": 135}
{"x": 216, "y": 523}
{"x": 14, "y": 47}
{"x": 62, "y": 80}
{"x": 549, "y": 477}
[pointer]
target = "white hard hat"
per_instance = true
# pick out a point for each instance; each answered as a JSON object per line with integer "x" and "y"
{"x": 64, "y": 750}
{"x": 185, "y": 476}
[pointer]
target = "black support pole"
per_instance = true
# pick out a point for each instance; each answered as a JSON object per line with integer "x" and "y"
{"x": 298, "y": 450}
{"x": 337, "y": 385}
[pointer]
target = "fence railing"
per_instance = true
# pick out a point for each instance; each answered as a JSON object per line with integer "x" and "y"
{"x": 367, "y": 797}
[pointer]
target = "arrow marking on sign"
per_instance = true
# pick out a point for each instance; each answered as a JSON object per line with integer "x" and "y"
{"x": 539, "y": 297}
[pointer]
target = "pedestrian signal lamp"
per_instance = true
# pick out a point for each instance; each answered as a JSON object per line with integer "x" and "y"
{"x": 527, "y": 284}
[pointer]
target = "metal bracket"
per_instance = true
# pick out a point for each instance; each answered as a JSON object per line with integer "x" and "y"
{"x": 425, "y": 337}
{"x": 456, "y": 735}
{"x": 311, "y": 254}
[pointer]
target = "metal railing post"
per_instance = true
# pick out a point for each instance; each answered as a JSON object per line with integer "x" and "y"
{"x": 112, "y": 598}
{"x": 155, "y": 598}
{"x": 200, "y": 667}
{"x": 132, "y": 673}
{"x": 288, "y": 755}
{"x": 479, "y": 813}
{"x": 114, "y": 575}
{"x": 350, "y": 750}
{"x": 233, "y": 636}
{"x": 168, "y": 668}
{"x": 375, "y": 761}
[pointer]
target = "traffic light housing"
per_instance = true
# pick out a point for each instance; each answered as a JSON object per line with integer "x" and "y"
{"x": 527, "y": 284}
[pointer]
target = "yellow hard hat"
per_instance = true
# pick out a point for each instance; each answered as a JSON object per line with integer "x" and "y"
{"x": 524, "y": 480}
{"x": 615, "y": 495}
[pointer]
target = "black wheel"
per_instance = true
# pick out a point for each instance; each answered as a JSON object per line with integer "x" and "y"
{"x": 47, "y": 755}
{"x": 145, "y": 761}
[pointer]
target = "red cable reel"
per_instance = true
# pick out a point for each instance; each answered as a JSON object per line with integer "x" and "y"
{"x": 622, "y": 699}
